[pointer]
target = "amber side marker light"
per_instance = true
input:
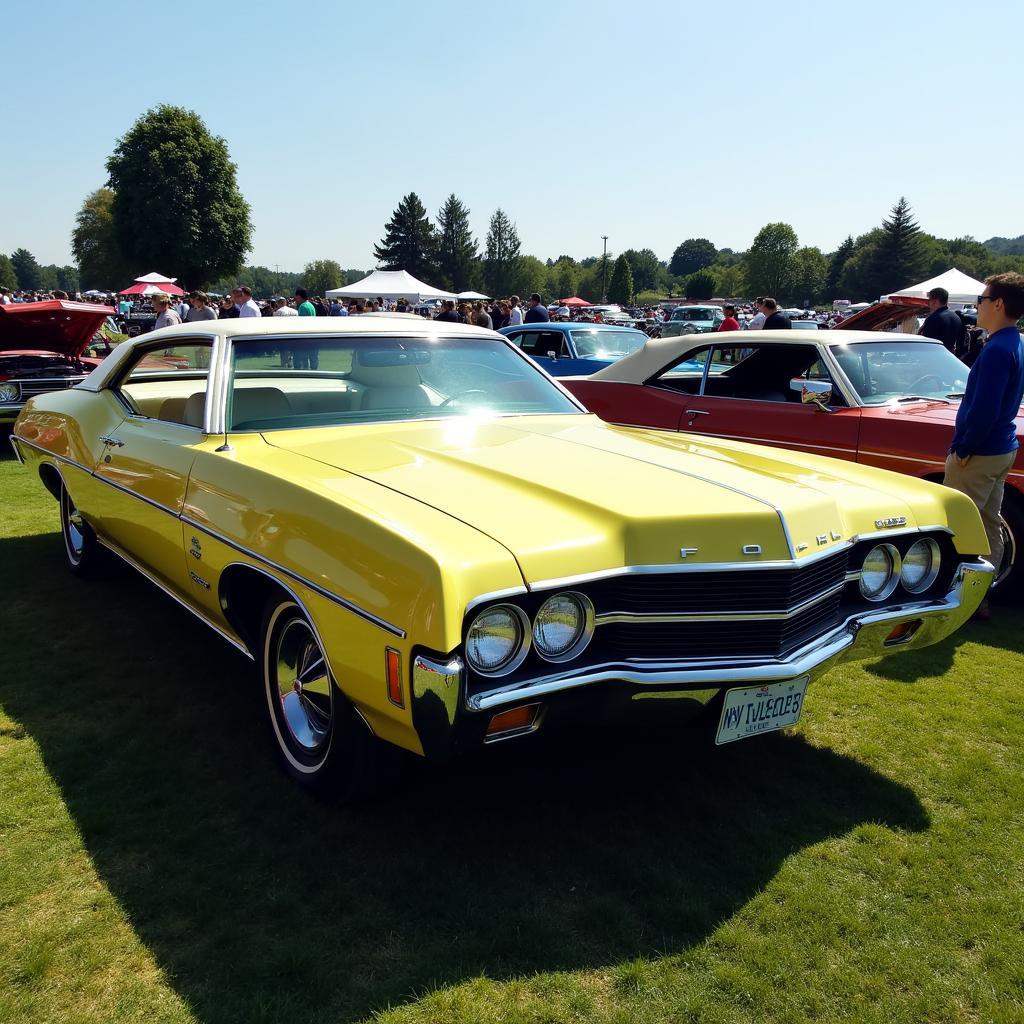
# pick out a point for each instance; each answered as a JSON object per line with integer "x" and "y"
{"x": 393, "y": 667}
{"x": 903, "y": 632}
{"x": 514, "y": 722}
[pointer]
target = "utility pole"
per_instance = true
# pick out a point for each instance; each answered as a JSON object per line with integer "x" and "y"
{"x": 604, "y": 271}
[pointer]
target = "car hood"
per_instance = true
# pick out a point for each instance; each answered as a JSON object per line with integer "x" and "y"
{"x": 568, "y": 495}
{"x": 64, "y": 328}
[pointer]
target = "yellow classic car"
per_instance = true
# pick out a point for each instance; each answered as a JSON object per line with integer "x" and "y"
{"x": 424, "y": 542}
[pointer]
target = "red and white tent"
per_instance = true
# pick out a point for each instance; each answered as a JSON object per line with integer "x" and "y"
{"x": 152, "y": 284}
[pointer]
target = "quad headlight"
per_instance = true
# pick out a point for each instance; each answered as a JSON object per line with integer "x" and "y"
{"x": 498, "y": 640}
{"x": 9, "y": 391}
{"x": 920, "y": 565}
{"x": 880, "y": 572}
{"x": 563, "y": 626}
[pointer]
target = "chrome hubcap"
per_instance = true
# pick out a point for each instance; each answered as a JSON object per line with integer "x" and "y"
{"x": 1009, "y": 553}
{"x": 304, "y": 687}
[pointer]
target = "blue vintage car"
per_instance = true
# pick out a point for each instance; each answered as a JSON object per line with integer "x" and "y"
{"x": 575, "y": 349}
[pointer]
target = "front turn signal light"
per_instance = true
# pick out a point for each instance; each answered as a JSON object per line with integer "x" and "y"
{"x": 393, "y": 667}
{"x": 516, "y": 721}
{"x": 903, "y": 632}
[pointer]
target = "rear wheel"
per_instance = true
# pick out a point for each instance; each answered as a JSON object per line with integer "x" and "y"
{"x": 81, "y": 549}
{"x": 323, "y": 742}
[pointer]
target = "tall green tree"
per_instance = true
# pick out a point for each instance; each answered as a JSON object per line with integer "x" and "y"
{"x": 700, "y": 284}
{"x": 620, "y": 288}
{"x": 836, "y": 263}
{"x": 810, "y": 267}
{"x": 409, "y": 241}
{"x": 94, "y": 243}
{"x": 900, "y": 258}
{"x": 692, "y": 255}
{"x": 770, "y": 260}
{"x": 856, "y": 280}
{"x": 177, "y": 208}
{"x": 732, "y": 279}
{"x": 564, "y": 277}
{"x": 27, "y": 270}
{"x": 501, "y": 255}
{"x": 320, "y": 275}
{"x": 530, "y": 275}
{"x": 648, "y": 271}
{"x": 8, "y": 277}
{"x": 458, "y": 261}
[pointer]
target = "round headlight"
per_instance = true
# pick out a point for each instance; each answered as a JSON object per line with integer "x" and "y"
{"x": 880, "y": 572}
{"x": 9, "y": 392}
{"x": 498, "y": 640}
{"x": 920, "y": 565}
{"x": 563, "y": 626}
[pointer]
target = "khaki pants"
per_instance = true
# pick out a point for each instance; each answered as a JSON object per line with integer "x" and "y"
{"x": 982, "y": 481}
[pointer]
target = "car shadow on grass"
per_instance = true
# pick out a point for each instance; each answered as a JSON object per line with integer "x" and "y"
{"x": 259, "y": 902}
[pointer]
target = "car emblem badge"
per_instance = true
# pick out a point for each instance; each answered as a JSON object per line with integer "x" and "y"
{"x": 683, "y": 552}
{"x": 885, "y": 524}
{"x": 836, "y": 535}
{"x": 822, "y": 538}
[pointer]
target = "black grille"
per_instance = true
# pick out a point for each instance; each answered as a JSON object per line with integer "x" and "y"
{"x": 750, "y": 639}
{"x": 31, "y": 388}
{"x": 761, "y": 590}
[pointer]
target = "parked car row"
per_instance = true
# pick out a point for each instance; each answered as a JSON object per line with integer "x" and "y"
{"x": 426, "y": 543}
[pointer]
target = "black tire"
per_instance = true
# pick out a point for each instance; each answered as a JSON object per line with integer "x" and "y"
{"x": 321, "y": 740}
{"x": 1010, "y": 575}
{"x": 82, "y": 552}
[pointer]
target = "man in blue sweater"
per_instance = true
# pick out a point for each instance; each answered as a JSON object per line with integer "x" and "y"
{"x": 985, "y": 440}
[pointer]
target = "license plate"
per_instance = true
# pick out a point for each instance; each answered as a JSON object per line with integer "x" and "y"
{"x": 754, "y": 710}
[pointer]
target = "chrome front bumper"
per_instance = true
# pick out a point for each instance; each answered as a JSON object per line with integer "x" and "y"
{"x": 863, "y": 635}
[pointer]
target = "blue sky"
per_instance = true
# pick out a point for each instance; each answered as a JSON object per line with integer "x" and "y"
{"x": 648, "y": 122}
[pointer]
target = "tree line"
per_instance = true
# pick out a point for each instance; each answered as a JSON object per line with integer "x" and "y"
{"x": 171, "y": 202}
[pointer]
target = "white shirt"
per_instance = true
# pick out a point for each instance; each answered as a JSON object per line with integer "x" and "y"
{"x": 756, "y": 322}
{"x": 249, "y": 308}
{"x": 286, "y": 311}
{"x": 515, "y": 317}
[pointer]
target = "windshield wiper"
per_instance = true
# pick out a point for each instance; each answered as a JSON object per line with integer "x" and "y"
{"x": 956, "y": 394}
{"x": 922, "y": 398}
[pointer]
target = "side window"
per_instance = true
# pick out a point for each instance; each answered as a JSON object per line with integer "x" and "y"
{"x": 686, "y": 373}
{"x": 540, "y": 343}
{"x": 168, "y": 382}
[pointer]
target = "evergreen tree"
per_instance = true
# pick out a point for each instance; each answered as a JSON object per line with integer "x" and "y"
{"x": 899, "y": 258}
{"x": 8, "y": 277}
{"x": 620, "y": 290}
{"x": 836, "y": 263}
{"x": 458, "y": 262}
{"x": 177, "y": 208}
{"x": 409, "y": 241}
{"x": 27, "y": 270}
{"x": 501, "y": 255}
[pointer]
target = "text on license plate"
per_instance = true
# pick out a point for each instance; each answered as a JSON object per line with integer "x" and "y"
{"x": 754, "y": 710}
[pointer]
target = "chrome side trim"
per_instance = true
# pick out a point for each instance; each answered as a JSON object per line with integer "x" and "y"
{"x": 128, "y": 560}
{"x": 642, "y": 618}
{"x": 496, "y": 595}
{"x": 13, "y": 438}
{"x": 134, "y": 494}
{"x": 52, "y": 455}
{"x": 297, "y": 578}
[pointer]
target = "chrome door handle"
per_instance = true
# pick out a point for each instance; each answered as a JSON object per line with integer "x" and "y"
{"x": 114, "y": 442}
{"x": 697, "y": 412}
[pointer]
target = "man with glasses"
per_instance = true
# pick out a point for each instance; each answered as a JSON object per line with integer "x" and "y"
{"x": 985, "y": 439}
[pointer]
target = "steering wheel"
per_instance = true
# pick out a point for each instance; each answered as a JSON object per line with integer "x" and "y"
{"x": 919, "y": 383}
{"x": 461, "y": 394}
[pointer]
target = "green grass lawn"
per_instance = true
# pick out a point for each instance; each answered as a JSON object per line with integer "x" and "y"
{"x": 156, "y": 866}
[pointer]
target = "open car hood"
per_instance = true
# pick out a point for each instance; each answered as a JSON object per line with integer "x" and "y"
{"x": 65, "y": 328}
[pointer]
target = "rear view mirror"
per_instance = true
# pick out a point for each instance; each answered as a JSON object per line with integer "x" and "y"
{"x": 816, "y": 392}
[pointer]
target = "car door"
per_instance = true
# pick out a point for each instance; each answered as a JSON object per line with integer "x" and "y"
{"x": 753, "y": 392}
{"x": 146, "y": 460}
{"x": 545, "y": 347}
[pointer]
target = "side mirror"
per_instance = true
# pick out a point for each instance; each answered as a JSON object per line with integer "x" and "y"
{"x": 816, "y": 392}
{"x": 552, "y": 355}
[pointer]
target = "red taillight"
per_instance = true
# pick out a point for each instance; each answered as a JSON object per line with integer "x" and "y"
{"x": 393, "y": 670}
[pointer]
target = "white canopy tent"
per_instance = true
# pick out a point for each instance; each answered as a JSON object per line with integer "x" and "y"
{"x": 155, "y": 278}
{"x": 962, "y": 289}
{"x": 471, "y": 296}
{"x": 389, "y": 284}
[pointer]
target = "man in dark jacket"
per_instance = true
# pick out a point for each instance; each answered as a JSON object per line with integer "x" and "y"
{"x": 774, "y": 318}
{"x": 448, "y": 314}
{"x": 942, "y": 323}
{"x": 984, "y": 444}
{"x": 537, "y": 313}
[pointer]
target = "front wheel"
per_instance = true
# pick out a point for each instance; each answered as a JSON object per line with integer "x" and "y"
{"x": 322, "y": 741}
{"x": 81, "y": 549}
{"x": 1010, "y": 571}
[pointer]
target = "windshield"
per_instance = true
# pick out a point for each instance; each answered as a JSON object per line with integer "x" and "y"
{"x": 693, "y": 314}
{"x": 889, "y": 370}
{"x": 607, "y": 344}
{"x": 278, "y": 383}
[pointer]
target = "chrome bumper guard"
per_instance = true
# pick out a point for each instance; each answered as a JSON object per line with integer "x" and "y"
{"x": 861, "y": 636}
